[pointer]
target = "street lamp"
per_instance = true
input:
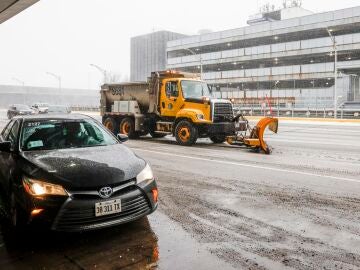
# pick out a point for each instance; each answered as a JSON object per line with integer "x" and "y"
{"x": 103, "y": 71}
{"x": 23, "y": 86}
{"x": 201, "y": 65}
{"x": 335, "y": 70}
{"x": 57, "y": 77}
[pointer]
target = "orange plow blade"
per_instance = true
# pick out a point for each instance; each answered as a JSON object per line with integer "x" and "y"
{"x": 256, "y": 138}
{"x": 258, "y": 131}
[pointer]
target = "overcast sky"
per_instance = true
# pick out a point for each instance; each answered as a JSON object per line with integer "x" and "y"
{"x": 65, "y": 36}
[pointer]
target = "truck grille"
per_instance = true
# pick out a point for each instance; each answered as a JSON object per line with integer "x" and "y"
{"x": 223, "y": 112}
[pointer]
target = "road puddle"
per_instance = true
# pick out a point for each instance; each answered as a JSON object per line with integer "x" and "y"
{"x": 153, "y": 242}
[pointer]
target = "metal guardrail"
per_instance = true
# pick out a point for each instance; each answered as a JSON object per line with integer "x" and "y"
{"x": 280, "y": 112}
{"x": 299, "y": 112}
{"x": 85, "y": 108}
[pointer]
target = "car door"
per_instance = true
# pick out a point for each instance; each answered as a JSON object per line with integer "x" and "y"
{"x": 8, "y": 160}
{"x": 171, "y": 102}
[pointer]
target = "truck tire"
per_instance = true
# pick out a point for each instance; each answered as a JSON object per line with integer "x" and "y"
{"x": 218, "y": 139}
{"x": 186, "y": 133}
{"x": 110, "y": 124}
{"x": 127, "y": 127}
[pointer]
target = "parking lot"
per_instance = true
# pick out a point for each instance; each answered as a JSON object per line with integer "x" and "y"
{"x": 226, "y": 207}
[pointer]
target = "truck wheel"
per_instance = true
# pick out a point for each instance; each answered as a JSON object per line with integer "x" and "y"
{"x": 218, "y": 139}
{"x": 110, "y": 124}
{"x": 127, "y": 127}
{"x": 186, "y": 133}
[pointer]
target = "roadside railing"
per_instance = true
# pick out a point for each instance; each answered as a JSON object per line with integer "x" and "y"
{"x": 85, "y": 108}
{"x": 298, "y": 112}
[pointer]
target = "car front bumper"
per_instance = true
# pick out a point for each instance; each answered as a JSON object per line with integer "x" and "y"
{"x": 77, "y": 212}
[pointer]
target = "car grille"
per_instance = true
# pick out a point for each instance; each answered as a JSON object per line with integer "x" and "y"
{"x": 79, "y": 214}
{"x": 223, "y": 112}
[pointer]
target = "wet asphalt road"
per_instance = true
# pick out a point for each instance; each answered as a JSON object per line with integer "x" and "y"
{"x": 229, "y": 208}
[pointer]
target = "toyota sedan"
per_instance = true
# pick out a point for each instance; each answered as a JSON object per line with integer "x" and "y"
{"x": 70, "y": 173}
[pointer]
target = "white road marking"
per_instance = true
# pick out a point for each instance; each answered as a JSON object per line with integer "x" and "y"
{"x": 311, "y": 142}
{"x": 251, "y": 166}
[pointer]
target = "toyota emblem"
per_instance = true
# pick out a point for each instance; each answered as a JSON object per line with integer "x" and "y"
{"x": 105, "y": 192}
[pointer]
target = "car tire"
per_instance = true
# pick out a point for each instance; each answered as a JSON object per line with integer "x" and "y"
{"x": 218, "y": 139}
{"x": 186, "y": 133}
{"x": 9, "y": 115}
{"x": 127, "y": 127}
{"x": 110, "y": 124}
{"x": 17, "y": 217}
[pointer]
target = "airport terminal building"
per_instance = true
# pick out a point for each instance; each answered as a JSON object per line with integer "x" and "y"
{"x": 148, "y": 53}
{"x": 285, "y": 56}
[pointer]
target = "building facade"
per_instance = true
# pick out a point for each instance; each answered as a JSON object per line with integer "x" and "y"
{"x": 282, "y": 57}
{"x": 148, "y": 53}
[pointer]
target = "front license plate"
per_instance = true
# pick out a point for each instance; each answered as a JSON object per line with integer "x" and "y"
{"x": 108, "y": 207}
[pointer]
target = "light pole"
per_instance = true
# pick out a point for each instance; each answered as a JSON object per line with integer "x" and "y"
{"x": 23, "y": 86}
{"x": 103, "y": 71}
{"x": 276, "y": 83}
{"x": 57, "y": 77}
{"x": 201, "y": 65}
{"x": 335, "y": 70}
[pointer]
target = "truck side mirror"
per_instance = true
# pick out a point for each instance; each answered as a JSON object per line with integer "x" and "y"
{"x": 5, "y": 146}
{"x": 122, "y": 137}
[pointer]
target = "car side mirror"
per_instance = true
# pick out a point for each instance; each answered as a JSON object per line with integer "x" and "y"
{"x": 5, "y": 146}
{"x": 122, "y": 137}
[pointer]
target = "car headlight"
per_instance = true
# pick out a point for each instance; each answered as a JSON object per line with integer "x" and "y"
{"x": 200, "y": 116}
{"x": 145, "y": 175}
{"x": 39, "y": 188}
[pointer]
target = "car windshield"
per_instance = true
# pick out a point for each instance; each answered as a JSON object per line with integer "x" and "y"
{"x": 61, "y": 134}
{"x": 21, "y": 107}
{"x": 195, "y": 89}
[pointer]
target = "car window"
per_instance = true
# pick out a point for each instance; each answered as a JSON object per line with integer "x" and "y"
{"x": 13, "y": 134}
{"x": 6, "y": 130}
{"x": 61, "y": 134}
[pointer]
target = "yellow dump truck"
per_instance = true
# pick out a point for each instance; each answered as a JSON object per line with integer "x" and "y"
{"x": 170, "y": 103}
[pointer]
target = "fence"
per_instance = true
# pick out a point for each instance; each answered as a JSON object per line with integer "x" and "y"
{"x": 298, "y": 112}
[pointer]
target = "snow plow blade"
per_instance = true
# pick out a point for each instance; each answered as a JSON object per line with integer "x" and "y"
{"x": 255, "y": 139}
{"x": 258, "y": 131}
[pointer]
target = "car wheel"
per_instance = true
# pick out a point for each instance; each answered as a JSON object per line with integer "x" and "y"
{"x": 16, "y": 215}
{"x": 218, "y": 139}
{"x": 186, "y": 133}
{"x": 110, "y": 124}
{"x": 127, "y": 127}
{"x": 9, "y": 115}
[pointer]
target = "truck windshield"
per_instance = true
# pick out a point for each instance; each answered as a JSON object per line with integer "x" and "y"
{"x": 195, "y": 89}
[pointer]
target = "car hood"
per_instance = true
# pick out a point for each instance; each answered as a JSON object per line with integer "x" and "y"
{"x": 84, "y": 168}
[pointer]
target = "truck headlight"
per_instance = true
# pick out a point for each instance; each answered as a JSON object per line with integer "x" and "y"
{"x": 40, "y": 188}
{"x": 200, "y": 116}
{"x": 145, "y": 175}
